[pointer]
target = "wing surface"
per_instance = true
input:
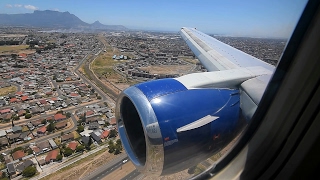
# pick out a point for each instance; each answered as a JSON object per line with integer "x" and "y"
{"x": 216, "y": 55}
{"x": 220, "y": 57}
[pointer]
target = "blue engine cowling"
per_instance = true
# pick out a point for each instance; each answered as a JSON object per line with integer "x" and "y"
{"x": 150, "y": 114}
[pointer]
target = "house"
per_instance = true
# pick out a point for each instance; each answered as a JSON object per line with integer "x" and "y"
{"x": 30, "y": 126}
{"x": 67, "y": 137}
{"x": 52, "y": 144}
{"x": 52, "y": 156}
{"x": 85, "y": 140}
{"x": 25, "y": 135}
{"x": 59, "y": 117}
{"x": 2, "y": 133}
{"x": 44, "y": 145}
{"x": 113, "y": 121}
{"x": 22, "y": 112}
{"x": 101, "y": 123}
{"x": 36, "y": 123}
{"x": 42, "y": 162}
{"x": 13, "y": 100}
{"x": 61, "y": 125}
{"x": 4, "y": 141}
{"x": 24, "y": 165}
{"x": 73, "y": 145}
{"x": 16, "y": 129}
{"x": 11, "y": 169}
{"x": 95, "y": 138}
{"x": 105, "y": 134}
{"x": 109, "y": 115}
{"x": 93, "y": 125}
{"x": 14, "y": 137}
{"x": 24, "y": 98}
{"x": 36, "y": 150}
{"x": 18, "y": 155}
{"x": 4, "y": 111}
{"x": 42, "y": 130}
{"x": 91, "y": 119}
{"x": 8, "y": 116}
{"x": 36, "y": 110}
{"x": 89, "y": 113}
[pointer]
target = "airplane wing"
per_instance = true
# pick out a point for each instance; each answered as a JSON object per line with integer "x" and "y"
{"x": 162, "y": 123}
{"x": 236, "y": 69}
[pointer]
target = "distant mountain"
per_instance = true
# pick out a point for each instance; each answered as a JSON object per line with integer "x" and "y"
{"x": 98, "y": 25}
{"x": 52, "y": 19}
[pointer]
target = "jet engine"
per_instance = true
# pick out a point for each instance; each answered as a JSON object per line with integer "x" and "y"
{"x": 166, "y": 127}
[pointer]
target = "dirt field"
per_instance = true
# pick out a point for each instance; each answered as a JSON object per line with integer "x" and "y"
{"x": 82, "y": 168}
{"x": 15, "y": 49}
{"x": 6, "y": 90}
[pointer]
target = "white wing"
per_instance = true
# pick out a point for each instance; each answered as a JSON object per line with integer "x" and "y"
{"x": 235, "y": 69}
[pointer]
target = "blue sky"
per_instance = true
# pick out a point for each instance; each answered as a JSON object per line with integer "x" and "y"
{"x": 255, "y": 18}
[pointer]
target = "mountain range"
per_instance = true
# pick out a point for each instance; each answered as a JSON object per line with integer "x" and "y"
{"x": 52, "y": 19}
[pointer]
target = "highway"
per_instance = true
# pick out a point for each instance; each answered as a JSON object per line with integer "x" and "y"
{"x": 132, "y": 175}
{"x": 106, "y": 169}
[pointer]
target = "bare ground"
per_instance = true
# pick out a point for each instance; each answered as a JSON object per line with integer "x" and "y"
{"x": 83, "y": 169}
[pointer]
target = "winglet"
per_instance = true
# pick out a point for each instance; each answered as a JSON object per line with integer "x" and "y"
{"x": 196, "y": 124}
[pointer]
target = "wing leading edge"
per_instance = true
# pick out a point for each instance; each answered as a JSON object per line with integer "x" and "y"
{"x": 218, "y": 56}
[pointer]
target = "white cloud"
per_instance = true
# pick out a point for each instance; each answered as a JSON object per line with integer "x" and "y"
{"x": 9, "y": 6}
{"x": 18, "y": 5}
{"x": 55, "y": 9}
{"x": 30, "y": 7}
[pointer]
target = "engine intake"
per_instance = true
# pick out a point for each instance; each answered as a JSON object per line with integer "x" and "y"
{"x": 166, "y": 128}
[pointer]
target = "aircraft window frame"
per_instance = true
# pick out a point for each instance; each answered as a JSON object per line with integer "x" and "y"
{"x": 284, "y": 64}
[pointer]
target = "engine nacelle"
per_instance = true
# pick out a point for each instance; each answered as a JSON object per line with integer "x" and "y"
{"x": 166, "y": 128}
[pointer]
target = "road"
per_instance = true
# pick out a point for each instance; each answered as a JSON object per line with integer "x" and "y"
{"x": 62, "y": 165}
{"x": 131, "y": 175}
{"x": 107, "y": 169}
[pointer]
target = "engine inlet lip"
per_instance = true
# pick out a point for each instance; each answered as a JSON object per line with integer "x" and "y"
{"x": 154, "y": 150}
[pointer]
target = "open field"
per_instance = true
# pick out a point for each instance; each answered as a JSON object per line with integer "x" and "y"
{"x": 102, "y": 66}
{"x": 6, "y": 90}
{"x": 15, "y": 49}
{"x": 82, "y": 167}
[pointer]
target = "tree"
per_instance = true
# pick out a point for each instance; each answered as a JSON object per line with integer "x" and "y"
{"x": 44, "y": 121}
{"x": 28, "y": 116}
{"x": 67, "y": 152}
{"x": 59, "y": 157}
{"x": 68, "y": 114}
{"x": 116, "y": 151}
{"x": 99, "y": 97}
{"x": 1, "y": 158}
{"x": 15, "y": 117}
{"x": 105, "y": 103}
{"x": 113, "y": 133}
{"x": 29, "y": 171}
{"x": 30, "y": 151}
{"x": 80, "y": 148}
{"x": 17, "y": 149}
{"x": 59, "y": 112}
{"x": 80, "y": 129}
{"x": 14, "y": 56}
{"x": 50, "y": 127}
{"x": 107, "y": 123}
{"x": 4, "y": 176}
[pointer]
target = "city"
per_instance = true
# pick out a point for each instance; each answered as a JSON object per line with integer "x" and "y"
{"x": 56, "y": 111}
